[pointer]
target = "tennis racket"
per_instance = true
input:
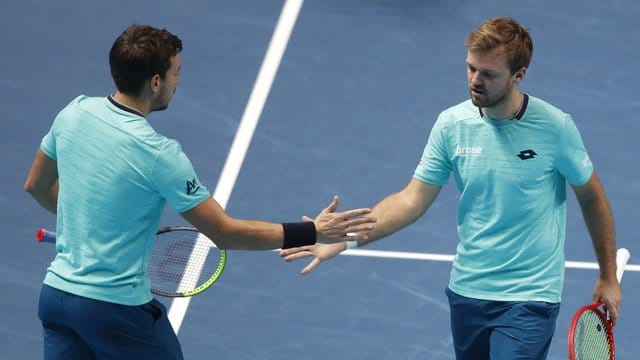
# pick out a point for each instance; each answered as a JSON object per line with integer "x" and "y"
{"x": 591, "y": 332}
{"x": 184, "y": 262}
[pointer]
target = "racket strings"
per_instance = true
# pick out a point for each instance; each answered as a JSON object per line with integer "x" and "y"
{"x": 178, "y": 260}
{"x": 592, "y": 337}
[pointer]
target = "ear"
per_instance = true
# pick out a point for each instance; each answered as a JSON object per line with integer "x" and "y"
{"x": 519, "y": 75}
{"x": 154, "y": 83}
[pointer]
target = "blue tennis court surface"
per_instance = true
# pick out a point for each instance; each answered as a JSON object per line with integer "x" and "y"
{"x": 354, "y": 98}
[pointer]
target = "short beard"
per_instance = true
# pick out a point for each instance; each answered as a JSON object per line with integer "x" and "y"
{"x": 488, "y": 103}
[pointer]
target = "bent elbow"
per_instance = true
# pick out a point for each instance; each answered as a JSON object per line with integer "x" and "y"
{"x": 29, "y": 187}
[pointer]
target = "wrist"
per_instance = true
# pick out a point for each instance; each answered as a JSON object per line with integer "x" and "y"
{"x": 298, "y": 234}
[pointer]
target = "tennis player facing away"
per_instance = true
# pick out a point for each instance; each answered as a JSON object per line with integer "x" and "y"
{"x": 108, "y": 175}
{"x": 511, "y": 155}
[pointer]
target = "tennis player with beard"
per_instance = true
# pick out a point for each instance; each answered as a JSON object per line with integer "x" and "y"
{"x": 511, "y": 155}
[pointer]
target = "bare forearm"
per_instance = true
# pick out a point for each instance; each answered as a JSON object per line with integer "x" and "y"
{"x": 599, "y": 220}
{"x": 42, "y": 181}
{"x": 251, "y": 235}
{"x": 49, "y": 198}
{"x": 401, "y": 209}
{"x": 230, "y": 233}
{"x": 393, "y": 214}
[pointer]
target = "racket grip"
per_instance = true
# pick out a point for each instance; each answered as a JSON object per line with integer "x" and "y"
{"x": 44, "y": 235}
{"x": 622, "y": 257}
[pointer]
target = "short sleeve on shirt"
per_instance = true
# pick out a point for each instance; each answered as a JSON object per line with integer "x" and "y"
{"x": 48, "y": 143}
{"x": 573, "y": 161}
{"x": 434, "y": 167}
{"x": 176, "y": 179}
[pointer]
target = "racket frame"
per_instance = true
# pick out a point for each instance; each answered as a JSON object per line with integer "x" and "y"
{"x": 596, "y": 308}
{"x": 622, "y": 257}
{"x": 47, "y": 236}
{"x": 205, "y": 285}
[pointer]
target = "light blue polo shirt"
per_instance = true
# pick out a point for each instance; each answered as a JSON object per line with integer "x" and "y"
{"x": 511, "y": 175}
{"x": 116, "y": 176}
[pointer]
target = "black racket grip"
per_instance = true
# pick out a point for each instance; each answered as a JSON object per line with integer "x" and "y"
{"x": 44, "y": 235}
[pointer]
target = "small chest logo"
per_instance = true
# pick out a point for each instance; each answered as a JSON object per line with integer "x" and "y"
{"x": 527, "y": 154}
{"x": 192, "y": 187}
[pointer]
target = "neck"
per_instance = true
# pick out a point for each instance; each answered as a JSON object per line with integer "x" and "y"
{"x": 507, "y": 108}
{"x": 139, "y": 104}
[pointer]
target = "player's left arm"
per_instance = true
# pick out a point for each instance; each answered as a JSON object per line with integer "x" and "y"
{"x": 598, "y": 218}
{"x": 42, "y": 181}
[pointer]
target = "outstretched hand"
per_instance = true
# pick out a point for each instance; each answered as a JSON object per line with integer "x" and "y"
{"x": 321, "y": 252}
{"x": 333, "y": 227}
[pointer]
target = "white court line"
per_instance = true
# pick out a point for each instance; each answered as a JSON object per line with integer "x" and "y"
{"x": 449, "y": 258}
{"x": 247, "y": 126}
{"x": 194, "y": 265}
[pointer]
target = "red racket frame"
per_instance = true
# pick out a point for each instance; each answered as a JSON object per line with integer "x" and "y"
{"x": 596, "y": 308}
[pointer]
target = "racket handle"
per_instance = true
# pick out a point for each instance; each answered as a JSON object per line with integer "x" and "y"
{"x": 622, "y": 257}
{"x": 44, "y": 235}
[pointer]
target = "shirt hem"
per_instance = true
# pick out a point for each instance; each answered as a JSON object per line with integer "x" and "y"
{"x": 97, "y": 293}
{"x": 493, "y": 296}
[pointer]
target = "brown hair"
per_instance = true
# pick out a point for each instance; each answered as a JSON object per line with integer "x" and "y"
{"x": 139, "y": 53}
{"x": 504, "y": 32}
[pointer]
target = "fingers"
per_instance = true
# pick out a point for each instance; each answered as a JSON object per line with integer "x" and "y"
{"x": 306, "y": 218}
{"x": 332, "y": 206}
{"x": 295, "y": 250}
{"x": 360, "y": 223}
{"x": 297, "y": 256}
{"x": 610, "y": 293}
{"x": 353, "y": 221}
{"x": 613, "y": 309}
{"x": 298, "y": 253}
{"x": 356, "y": 235}
{"x": 319, "y": 252}
{"x": 353, "y": 213}
{"x": 310, "y": 267}
{"x": 354, "y": 229}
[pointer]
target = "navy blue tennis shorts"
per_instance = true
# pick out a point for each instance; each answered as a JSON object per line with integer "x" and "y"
{"x": 513, "y": 330}
{"x": 75, "y": 327}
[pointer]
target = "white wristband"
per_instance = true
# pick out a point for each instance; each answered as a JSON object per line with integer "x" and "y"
{"x": 352, "y": 244}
